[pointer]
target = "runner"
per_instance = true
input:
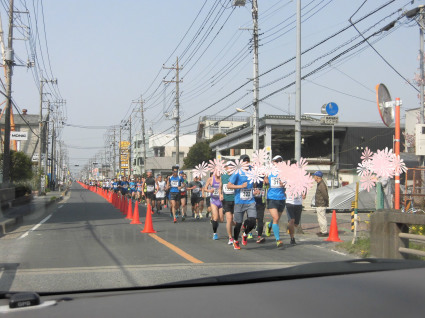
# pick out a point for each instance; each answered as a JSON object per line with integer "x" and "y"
{"x": 293, "y": 210}
{"x": 275, "y": 202}
{"x": 212, "y": 186}
{"x": 132, "y": 187}
{"x": 244, "y": 202}
{"x": 149, "y": 185}
{"x": 260, "y": 207}
{"x": 160, "y": 193}
{"x": 183, "y": 195}
{"x": 139, "y": 187}
{"x": 227, "y": 197}
{"x": 207, "y": 195}
{"x": 196, "y": 195}
{"x": 124, "y": 186}
{"x": 115, "y": 185}
{"x": 173, "y": 184}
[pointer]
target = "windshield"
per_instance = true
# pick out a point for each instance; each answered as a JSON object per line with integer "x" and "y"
{"x": 150, "y": 142}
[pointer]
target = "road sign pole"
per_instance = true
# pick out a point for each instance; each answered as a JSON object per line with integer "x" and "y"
{"x": 397, "y": 152}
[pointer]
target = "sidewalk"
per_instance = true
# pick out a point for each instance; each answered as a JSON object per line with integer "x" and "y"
{"x": 16, "y": 214}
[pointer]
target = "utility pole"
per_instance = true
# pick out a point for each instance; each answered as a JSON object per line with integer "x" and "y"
{"x": 52, "y": 159}
{"x": 297, "y": 150}
{"x": 40, "y": 132}
{"x": 119, "y": 151}
{"x": 256, "y": 140}
{"x": 129, "y": 150}
{"x": 142, "y": 112}
{"x": 9, "y": 70}
{"x": 177, "y": 115}
{"x": 115, "y": 156}
{"x": 46, "y": 138}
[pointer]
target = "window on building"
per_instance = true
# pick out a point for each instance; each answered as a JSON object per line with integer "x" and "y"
{"x": 237, "y": 152}
{"x": 159, "y": 151}
{"x": 181, "y": 154}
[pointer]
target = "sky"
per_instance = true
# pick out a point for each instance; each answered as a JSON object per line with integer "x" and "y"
{"x": 107, "y": 54}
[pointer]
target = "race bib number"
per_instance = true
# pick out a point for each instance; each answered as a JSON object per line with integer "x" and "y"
{"x": 226, "y": 190}
{"x": 149, "y": 188}
{"x": 215, "y": 193}
{"x": 246, "y": 194}
{"x": 275, "y": 182}
{"x": 174, "y": 184}
{"x": 207, "y": 194}
{"x": 195, "y": 190}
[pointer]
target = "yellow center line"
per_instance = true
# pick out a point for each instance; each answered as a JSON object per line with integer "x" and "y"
{"x": 177, "y": 250}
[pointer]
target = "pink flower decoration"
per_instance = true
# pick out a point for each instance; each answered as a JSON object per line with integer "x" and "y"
{"x": 255, "y": 174}
{"x": 237, "y": 166}
{"x": 200, "y": 170}
{"x": 367, "y": 154}
{"x": 216, "y": 166}
{"x": 399, "y": 165}
{"x": 382, "y": 163}
{"x": 295, "y": 177}
{"x": 259, "y": 157}
{"x": 368, "y": 181}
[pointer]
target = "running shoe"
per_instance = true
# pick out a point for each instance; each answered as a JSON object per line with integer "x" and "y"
{"x": 230, "y": 241}
{"x": 200, "y": 215}
{"x": 197, "y": 217}
{"x": 236, "y": 245}
{"x": 175, "y": 220}
{"x": 244, "y": 239}
{"x": 279, "y": 243}
{"x": 268, "y": 229}
{"x": 208, "y": 213}
{"x": 183, "y": 217}
{"x": 260, "y": 240}
{"x": 293, "y": 241}
{"x": 215, "y": 236}
{"x": 250, "y": 237}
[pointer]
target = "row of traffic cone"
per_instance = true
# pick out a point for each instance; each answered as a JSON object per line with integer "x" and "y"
{"x": 126, "y": 207}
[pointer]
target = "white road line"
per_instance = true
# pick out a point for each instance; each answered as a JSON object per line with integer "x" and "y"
{"x": 60, "y": 206}
{"x": 35, "y": 226}
{"x": 338, "y": 252}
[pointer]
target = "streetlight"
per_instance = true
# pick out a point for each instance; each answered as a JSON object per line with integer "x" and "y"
{"x": 240, "y": 110}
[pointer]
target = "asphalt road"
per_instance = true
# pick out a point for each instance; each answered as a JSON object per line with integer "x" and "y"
{"x": 84, "y": 242}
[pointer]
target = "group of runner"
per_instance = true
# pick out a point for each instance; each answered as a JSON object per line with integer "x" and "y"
{"x": 230, "y": 197}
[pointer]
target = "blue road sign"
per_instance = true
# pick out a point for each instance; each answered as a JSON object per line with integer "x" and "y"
{"x": 332, "y": 109}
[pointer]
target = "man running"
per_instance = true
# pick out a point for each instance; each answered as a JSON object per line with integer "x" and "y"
{"x": 244, "y": 202}
{"x": 212, "y": 186}
{"x": 183, "y": 195}
{"x": 150, "y": 188}
{"x": 227, "y": 197}
{"x": 260, "y": 207}
{"x": 195, "y": 188}
{"x": 275, "y": 202}
{"x": 160, "y": 193}
{"x": 174, "y": 184}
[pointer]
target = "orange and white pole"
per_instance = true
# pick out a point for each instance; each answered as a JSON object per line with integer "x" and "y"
{"x": 397, "y": 152}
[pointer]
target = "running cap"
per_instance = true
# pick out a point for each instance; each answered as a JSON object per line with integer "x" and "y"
{"x": 318, "y": 174}
{"x": 276, "y": 158}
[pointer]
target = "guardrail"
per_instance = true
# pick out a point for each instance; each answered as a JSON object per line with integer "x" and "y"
{"x": 389, "y": 234}
{"x": 412, "y": 251}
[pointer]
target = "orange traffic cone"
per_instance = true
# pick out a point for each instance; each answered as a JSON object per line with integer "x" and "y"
{"x": 129, "y": 210}
{"x": 148, "y": 224}
{"x": 136, "y": 218}
{"x": 333, "y": 232}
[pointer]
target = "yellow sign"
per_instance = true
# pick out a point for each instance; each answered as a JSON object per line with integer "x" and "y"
{"x": 124, "y": 154}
